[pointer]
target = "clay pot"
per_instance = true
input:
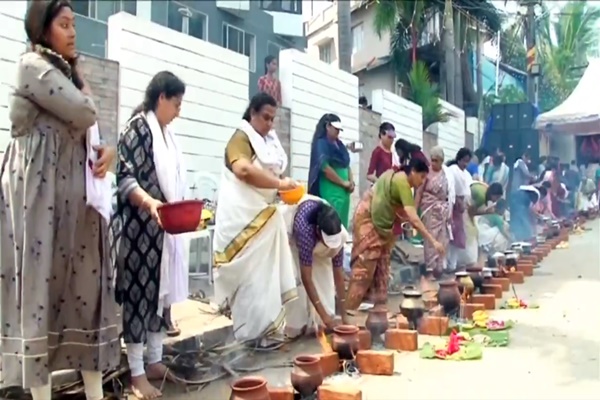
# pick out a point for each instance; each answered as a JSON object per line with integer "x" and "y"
{"x": 345, "y": 341}
{"x": 377, "y": 322}
{"x": 412, "y": 306}
{"x": 250, "y": 388}
{"x": 476, "y": 275}
{"x": 511, "y": 259}
{"x": 465, "y": 283}
{"x": 307, "y": 375}
{"x": 449, "y": 296}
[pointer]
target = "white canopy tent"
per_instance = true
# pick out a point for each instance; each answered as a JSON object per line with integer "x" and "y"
{"x": 579, "y": 114}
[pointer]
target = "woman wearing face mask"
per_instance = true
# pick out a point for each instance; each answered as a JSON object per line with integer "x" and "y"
{"x": 330, "y": 176}
{"x": 56, "y": 300}
{"x": 268, "y": 83}
{"x": 150, "y": 264}
{"x": 254, "y": 268}
{"x": 383, "y": 157}
{"x": 389, "y": 199}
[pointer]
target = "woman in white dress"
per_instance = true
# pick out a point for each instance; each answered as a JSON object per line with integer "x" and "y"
{"x": 254, "y": 269}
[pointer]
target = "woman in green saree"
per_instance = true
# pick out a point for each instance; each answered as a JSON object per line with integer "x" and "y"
{"x": 329, "y": 176}
{"x": 389, "y": 200}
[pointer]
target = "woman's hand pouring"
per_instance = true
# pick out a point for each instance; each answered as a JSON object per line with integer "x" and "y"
{"x": 106, "y": 156}
{"x": 287, "y": 184}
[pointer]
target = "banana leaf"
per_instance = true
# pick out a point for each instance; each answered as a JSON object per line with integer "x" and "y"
{"x": 467, "y": 352}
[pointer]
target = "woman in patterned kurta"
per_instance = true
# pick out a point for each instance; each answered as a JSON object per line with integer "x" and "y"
{"x": 139, "y": 247}
{"x": 432, "y": 200}
{"x": 56, "y": 302}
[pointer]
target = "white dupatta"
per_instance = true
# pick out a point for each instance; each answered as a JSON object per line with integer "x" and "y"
{"x": 171, "y": 179}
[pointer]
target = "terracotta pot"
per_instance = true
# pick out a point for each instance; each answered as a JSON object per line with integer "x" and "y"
{"x": 465, "y": 283}
{"x": 307, "y": 375}
{"x": 345, "y": 341}
{"x": 250, "y": 388}
{"x": 377, "y": 322}
{"x": 476, "y": 275}
{"x": 449, "y": 296}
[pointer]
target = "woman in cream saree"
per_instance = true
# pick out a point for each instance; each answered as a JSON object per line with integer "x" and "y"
{"x": 254, "y": 274}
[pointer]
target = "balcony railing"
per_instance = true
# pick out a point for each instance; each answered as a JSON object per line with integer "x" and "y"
{"x": 286, "y": 6}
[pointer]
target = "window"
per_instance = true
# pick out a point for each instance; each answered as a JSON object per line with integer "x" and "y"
{"x": 241, "y": 42}
{"x": 325, "y": 53}
{"x": 187, "y": 20}
{"x": 287, "y": 6}
{"x": 273, "y": 49}
{"x": 102, "y": 9}
{"x": 358, "y": 35}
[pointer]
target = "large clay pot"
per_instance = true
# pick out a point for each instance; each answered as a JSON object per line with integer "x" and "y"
{"x": 449, "y": 296}
{"x": 377, "y": 322}
{"x": 512, "y": 259}
{"x": 307, "y": 375}
{"x": 476, "y": 275}
{"x": 250, "y": 388}
{"x": 412, "y": 306}
{"x": 345, "y": 341}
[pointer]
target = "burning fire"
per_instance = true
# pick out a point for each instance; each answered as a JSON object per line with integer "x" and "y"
{"x": 325, "y": 346}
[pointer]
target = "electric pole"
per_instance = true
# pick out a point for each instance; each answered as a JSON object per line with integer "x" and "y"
{"x": 533, "y": 68}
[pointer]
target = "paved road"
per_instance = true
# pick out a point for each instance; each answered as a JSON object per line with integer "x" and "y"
{"x": 554, "y": 353}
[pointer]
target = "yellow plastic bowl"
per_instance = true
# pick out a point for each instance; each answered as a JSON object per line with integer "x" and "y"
{"x": 292, "y": 196}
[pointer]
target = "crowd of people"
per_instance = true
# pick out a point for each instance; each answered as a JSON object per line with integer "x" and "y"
{"x": 67, "y": 264}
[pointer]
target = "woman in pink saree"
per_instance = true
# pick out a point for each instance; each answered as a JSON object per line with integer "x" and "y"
{"x": 434, "y": 198}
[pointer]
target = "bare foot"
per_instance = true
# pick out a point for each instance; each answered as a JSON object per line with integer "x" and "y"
{"x": 143, "y": 389}
{"x": 158, "y": 371}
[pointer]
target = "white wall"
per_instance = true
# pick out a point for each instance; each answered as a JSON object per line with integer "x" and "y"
{"x": 476, "y": 127}
{"x": 451, "y": 134}
{"x": 12, "y": 45}
{"x": 216, "y": 85}
{"x": 405, "y": 115}
{"x": 310, "y": 89}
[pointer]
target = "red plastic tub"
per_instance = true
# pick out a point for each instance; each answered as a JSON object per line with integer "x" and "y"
{"x": 181, "y": 216}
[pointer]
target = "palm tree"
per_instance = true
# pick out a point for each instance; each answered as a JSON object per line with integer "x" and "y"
{"x": 405, "y": 20}
{"x": 344, "y": 36}
{"x": 426, "y": 94}
{"x": 564, "y": 41}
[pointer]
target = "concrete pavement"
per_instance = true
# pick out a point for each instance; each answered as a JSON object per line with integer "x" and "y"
{"x": 554, "y": 351}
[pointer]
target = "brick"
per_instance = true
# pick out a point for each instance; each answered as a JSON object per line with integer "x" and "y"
{"x": 488, "y": 300}
{"x": 432, "y": 325}
{"x": 401, "y": 339}
{"x": 281, "y": 393}
{"x": 430, "y": 303}
{"x": 503, "y": 282}
{"x": 330, "y": 363}
{"x": 525, "y": 268}
{"x": 470, "y": 308}
{"x": 532, "y": 258}
{"x": 488, "y": 288}
{"x": 401, "y": 322}
{"x": 339, "y": 392}
{"x": 437, "y": 311}
{"x": 516, "y": 277}
{"x": 373, "y": 362}
{"x": 364, "y": 338}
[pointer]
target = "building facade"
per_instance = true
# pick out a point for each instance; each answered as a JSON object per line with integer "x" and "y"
{"x": 253, "y": 28}
{"x": 370, "y": 52}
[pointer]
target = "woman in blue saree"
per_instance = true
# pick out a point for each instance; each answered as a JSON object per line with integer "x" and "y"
{"x": 522, "y": 216}
{"x": 329, "y": 176}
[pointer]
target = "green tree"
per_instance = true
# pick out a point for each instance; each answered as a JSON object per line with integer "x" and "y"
{"x": 406, "y": 21}
{"x": 426, "y": 93}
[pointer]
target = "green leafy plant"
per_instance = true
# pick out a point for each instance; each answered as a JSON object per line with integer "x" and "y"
{"x": 426, "y": 93}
